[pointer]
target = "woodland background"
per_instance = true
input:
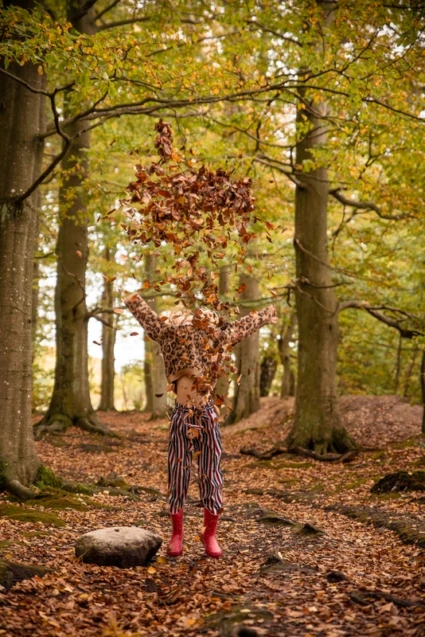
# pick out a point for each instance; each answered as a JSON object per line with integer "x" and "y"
{"x": 320, "y": 103}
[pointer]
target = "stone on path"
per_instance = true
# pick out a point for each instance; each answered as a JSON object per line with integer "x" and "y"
{"x": 123, "y": 546}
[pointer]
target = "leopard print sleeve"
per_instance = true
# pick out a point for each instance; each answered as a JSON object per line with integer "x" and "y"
{"x": 144, "y": 314}
{"x": 246, "y": 326}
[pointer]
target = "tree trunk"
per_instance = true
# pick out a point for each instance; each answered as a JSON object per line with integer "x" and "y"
{"x": 158, "y": 379}
{"x": 398, "y": 364}
{"x": 423, "y": 389}
{"x": 267, "y": 373}
{"x": 317, "y": 423}
{"x": 287, "y": 387}
{"x": 147, "y": 375}
{"x": 247, "y": 396}
{"x": 70, "y": 403}
{"x": 35, "y": 275}
{"x": 223, "y": 383}
{"x": 21, "y": 121}
{"x": 409, "y": 372}
{"x": 108, "y": 344}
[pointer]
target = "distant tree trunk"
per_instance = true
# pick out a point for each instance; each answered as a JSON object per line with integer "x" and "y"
{"x": 147, "y": 375}
{"x": 423, "y": 389}
{"x": 71, "y": 403}
{"x": 223, "y": 384}
{"x": 157, "y": 382}
{"x": 398, "y": 364}
{"x": 108, "y": 344}
{"x": 268, "y": 369}
{"x": 35, "y": 276}
{"x": 21, "y": 121}
{"x": 317, "y": 424}
{"x": 247, "y": 395}
{"x": 409, "y": 372}
{"x": 287, "y": 387}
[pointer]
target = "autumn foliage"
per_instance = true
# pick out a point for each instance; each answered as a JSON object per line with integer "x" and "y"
{"x": 171, "y": 203}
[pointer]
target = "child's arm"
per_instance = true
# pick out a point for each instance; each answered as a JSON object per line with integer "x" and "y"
{"x": 246, "y": 326}
{"x": 145, "y": 315}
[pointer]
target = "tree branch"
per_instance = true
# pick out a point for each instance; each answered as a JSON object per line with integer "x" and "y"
{"x": 106, "y": 9}
{"x": 82, "y": 11}
{"x": 366, "y": 205}
{"x": 120, "y": 23}
{"x": 391, "y": 322}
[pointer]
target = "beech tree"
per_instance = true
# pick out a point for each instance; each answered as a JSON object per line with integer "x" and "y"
{"x": 21, "y": 121}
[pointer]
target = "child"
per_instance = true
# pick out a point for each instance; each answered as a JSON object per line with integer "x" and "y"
{"x": 194, "y": 347}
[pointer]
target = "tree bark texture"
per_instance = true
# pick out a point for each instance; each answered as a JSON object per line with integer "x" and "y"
{"x": 423, "y": 389}
{"x": 268, "y": 369}
{"x": 147, "y": 375}
{"x": 158, "y": 385}
{"x": 108, "y": 343}
{"x": 71, "y": 402}
{"x": 223, "y": 383}
{"x": 247, "y": 394}
{"x": 317, "y": 423}
{"x": 22, "y": 116}
{"x": 288, "y": 381}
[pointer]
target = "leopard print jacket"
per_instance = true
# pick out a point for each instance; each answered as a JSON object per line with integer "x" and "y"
{"x": 184, "y": 348}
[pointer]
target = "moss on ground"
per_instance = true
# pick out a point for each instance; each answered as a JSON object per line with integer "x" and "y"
{"x": 410, "y": 529}
{"x": 46, "y": 478}
{"x": 13, "y": 572}
{"x": 59, "y": 502}
{"x": 4, "y": 544}
{"x": 23, "y": 514}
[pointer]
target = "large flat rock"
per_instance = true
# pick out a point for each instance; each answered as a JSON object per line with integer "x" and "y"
{"x": 122, "y": 546}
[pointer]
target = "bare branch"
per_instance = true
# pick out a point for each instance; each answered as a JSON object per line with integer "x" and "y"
{"x": 376, "y": 313}
{"x": 101, "y": 320}
{"x": 82, "y": 11}
{"x": 106, "y": 9}
{"x": 44, "y": 174}
{"x": 366, "y": 205}
{"x": 20, "y": 81}
{"x": 373, "y": 100}
{"x": 121, "y": 23}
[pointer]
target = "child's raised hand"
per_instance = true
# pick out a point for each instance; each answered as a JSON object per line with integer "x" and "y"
{"x": 131, "y": 297}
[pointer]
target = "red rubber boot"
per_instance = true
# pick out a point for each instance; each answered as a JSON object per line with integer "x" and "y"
{"x": 208, "y": 539}
{"x": 175, "y": 545}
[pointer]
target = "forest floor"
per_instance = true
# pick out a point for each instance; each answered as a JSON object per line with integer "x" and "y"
{"x": 294, "y": 563}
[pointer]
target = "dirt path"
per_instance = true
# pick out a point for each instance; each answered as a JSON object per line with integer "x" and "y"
{"x": 340, "y": 577}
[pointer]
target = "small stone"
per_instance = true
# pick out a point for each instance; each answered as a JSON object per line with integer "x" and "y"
{"x": 124, "y": 546}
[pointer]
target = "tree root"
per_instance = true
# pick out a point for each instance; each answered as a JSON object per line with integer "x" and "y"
{"x": 276, "y": 450}
{"x": 91, "y": 424}
{"x": 12, "y": 572}
{"x": 51, "y": 424}
{"x": 59, "y": 423}
{"x": 325, "y": 457}
{"x": 365, "y": 596}
{"x": 331, "y": 447}
{"x": 17, "y": 489}
{"x": 410, "y": 529}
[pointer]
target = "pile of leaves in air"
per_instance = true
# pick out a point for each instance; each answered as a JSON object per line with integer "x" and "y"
{"x": 193, "y": 211}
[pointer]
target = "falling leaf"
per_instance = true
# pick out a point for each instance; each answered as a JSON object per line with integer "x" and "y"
{"x": 134, "y": 333}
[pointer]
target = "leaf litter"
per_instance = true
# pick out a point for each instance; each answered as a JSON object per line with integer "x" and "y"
{"x": 348, "y": 579}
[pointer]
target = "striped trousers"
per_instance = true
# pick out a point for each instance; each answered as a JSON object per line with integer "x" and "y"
{"x": 195, "y": 433}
